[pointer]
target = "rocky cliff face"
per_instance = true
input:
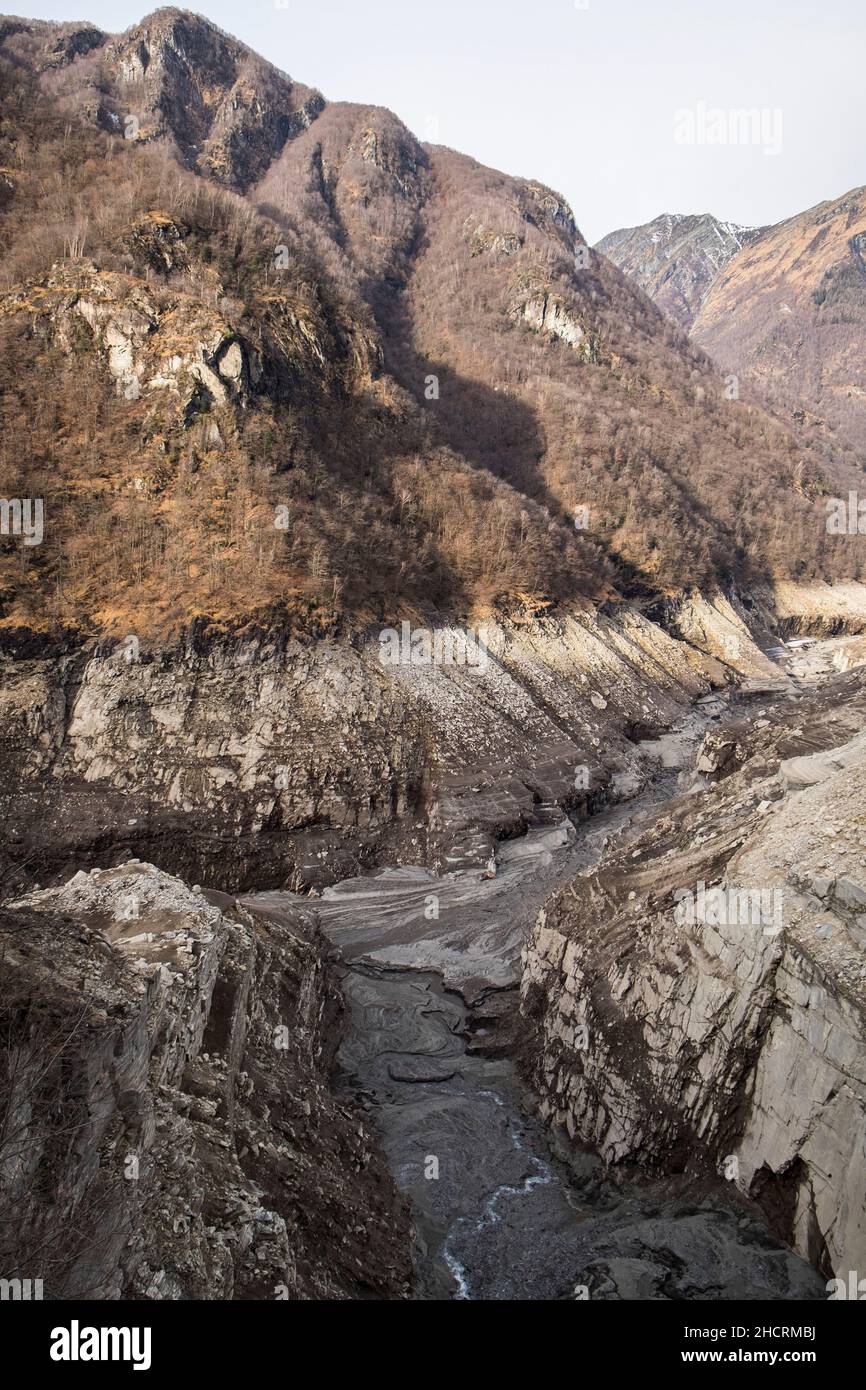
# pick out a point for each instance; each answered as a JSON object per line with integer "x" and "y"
{"x": 545, "y": 315}
{"x": 269, "y": 764}
{"x": 264, "y": 764}
{"x": 169, "y": 1129}
{"x": 699, "y": 998}
{"x": 676, "y": 259}
{"x": 188, "y": 359}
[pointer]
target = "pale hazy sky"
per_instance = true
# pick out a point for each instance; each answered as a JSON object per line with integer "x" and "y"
{"x": 582, "y": 94}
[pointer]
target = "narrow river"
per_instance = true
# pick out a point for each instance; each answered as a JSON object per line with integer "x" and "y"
{"x": 502, "y": 1208}
{"x": 495, "y": 1214}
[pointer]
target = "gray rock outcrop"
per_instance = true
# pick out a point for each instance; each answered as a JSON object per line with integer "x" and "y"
{"x": 169, "y": 1130}
{"x": 699, "y": 998}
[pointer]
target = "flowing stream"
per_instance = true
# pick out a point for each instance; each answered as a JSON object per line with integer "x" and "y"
{"x": 498, "y": 1213}
{"x": 494, "y": 1212}
{"x": 502, "y": 1209}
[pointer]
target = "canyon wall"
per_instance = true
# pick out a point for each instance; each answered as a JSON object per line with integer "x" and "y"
{"x": 292, "y": 763}
{"x": 262, "y": 765}
{"x": 170, "y": 1131}
{"x": 678, "y": 1032}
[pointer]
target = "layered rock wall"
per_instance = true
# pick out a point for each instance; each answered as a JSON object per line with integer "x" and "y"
{"x": 674, "y": 1031}
{"x": 258, "y": 765}
{"x": 169, "y": 1130}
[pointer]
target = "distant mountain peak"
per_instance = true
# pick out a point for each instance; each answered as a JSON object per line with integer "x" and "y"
{"x": 676, "y": 257}
{"x": 789, "y": 312}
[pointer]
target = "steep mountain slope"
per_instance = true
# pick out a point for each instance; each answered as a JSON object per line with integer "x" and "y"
{"x": 676, "y": 259}
{"x": 790, "y": 312}
{"x": 174, "y": 78}
{"x": 382, "y": 382}
{"x": 192, "y": 410}
{"x": 548, "y": 372}
{"x": 783, "y": 308}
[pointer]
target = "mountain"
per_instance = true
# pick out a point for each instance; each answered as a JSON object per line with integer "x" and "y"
{"x": 781, "y": 307}
{"x": 220, "y": 108}
{"x": 676, "y": 259}
{"x": 331, "y": 376}
{"x": 279, "y": 382}
{"x": 789, "y": 313}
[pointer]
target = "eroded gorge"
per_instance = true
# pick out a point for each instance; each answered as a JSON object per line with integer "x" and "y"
{"x": 527, "y": 1079}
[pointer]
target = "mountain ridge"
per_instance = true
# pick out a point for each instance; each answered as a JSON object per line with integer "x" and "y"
{"x": 336, "y": 377}
{"x": 773, "y": 309}
{"x": 677, "y": 257}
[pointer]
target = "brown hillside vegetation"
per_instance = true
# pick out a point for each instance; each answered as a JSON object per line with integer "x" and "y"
{"x": 271, "y": 360}
{"x": 791, "y": 311}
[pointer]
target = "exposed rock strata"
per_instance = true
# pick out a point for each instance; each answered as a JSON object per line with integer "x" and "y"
{"x": 670, "y": 1042}
{"x": 260, "y": 765}
{"x": 263, "y": 766}
{"x": 170, "y": 1131}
